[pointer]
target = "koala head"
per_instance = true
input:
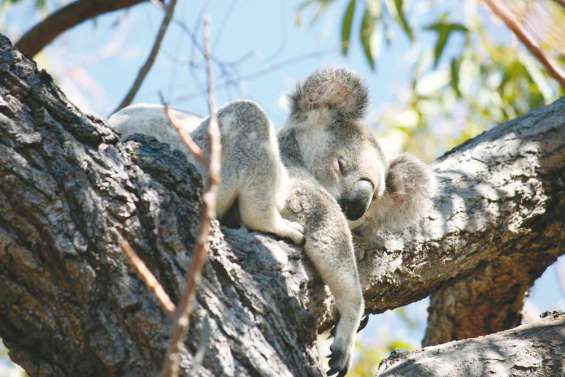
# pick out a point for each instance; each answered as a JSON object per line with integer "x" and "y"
{"x": 332, "y": 142}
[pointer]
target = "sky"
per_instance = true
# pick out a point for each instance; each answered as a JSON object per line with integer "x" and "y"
{"x": 258, "y": 45}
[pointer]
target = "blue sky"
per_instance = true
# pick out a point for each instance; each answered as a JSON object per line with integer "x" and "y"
{"x": 262, "y": 35}
{"x": 96, "y": 63}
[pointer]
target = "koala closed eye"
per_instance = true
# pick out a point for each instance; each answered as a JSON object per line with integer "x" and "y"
{"x": 341, "y": 165}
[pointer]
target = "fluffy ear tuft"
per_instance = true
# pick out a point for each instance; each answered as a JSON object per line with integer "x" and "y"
{"x": 337, "y": 89}
{"x": 410, "y": 188}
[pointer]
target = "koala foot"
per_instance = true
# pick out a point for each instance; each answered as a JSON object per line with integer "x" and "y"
{"x": 268, "y": 219}
{"x": 293, "y": 231}
{"x": 362, "y": 325}
{"x": 340, "y": 359}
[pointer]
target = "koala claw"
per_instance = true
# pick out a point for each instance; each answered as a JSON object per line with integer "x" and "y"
{"x": 333, "y": 330}
{"x": 339, "y": 363}
{"x": 363, "y": 323}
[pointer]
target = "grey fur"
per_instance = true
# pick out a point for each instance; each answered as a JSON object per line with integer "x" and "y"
{"x": 327, "y": 158}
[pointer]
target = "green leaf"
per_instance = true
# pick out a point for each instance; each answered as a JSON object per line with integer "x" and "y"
{"x": 366, "y": 35}
{"x": 454, "y": 72}
{"x": 399, "y": 7}
{"x": 398, "y": 344}
{"x": 321, "y": 4}
{"x": 346, "y": 26}
{"x": 444, "y": 30}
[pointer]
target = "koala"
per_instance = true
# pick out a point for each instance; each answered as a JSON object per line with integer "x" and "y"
{"x": 348, "y": 160}
{"x": 251, "y": 173}
{"x": 321, "y": 177}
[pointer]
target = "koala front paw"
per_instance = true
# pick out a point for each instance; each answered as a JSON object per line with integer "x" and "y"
{"x": 294, "y": 231}
{"x": 340, "y": 359}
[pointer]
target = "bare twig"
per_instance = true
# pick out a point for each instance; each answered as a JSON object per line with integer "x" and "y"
{"x": 144, "y": 70}
{"x": 262, "y": 72}
{"x": 150, "y": 280}
{"x": 192, "y": 277}
{"x": 44, "y": 32}
{"x": 553, "y": 69}
{"x": 185, "y": 137}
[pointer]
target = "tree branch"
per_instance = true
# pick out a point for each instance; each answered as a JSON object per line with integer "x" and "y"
{"x": 532, "y": 350}
{"x": 553, "y": 69}
{"x": 146, "y": 67}
{"x": 489, "y": 300}
{"x": 144, "y": 273}
{"x": 65, "y": 18}
{"x": 208, "y": 213}
{"x": 70, "y": 306}
{"x": 501, "y": 196}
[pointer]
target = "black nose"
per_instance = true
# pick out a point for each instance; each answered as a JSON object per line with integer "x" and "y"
{"x": 355, "y": 204}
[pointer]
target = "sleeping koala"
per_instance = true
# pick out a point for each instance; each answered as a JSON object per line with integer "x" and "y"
{"x": 322, "y": 175}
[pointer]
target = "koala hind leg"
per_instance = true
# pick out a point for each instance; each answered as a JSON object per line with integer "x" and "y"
{"x": 252, "y": 171}
{"x": 329, "y": 246}
{"x": 263, "y": 216}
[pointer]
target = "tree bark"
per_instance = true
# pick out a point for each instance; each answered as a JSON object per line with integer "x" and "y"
{"x": 528, "y": 350}
{"x": 489, "y": 300}
{"x": 71, "y": 306}
{"x": 502, "y": 194}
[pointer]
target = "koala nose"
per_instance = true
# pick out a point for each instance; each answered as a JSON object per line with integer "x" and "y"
{"x": 358, "y": 201}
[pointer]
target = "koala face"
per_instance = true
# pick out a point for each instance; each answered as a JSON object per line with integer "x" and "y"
{"x": 347, "y": 160}
{"x": 334, "y": 146}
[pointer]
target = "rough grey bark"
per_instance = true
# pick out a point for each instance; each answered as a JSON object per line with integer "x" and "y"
{"x": 71, "y": 306}
{"x": 489, "y": 300}
{"x": 528, "y": 350}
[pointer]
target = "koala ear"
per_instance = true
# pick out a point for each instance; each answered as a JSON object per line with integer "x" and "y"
{"x": 337, "y": 89}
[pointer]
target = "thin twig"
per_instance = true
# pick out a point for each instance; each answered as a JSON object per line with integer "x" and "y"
{"x": 192, "y": 277}
{"x": 65, "y": 18}
{"x": 144, "y": 70}
{"x": 527, "y": 40}
{"x": 185, "y": 137}
{"x": 262, "y": 72}
{"x": 150, "y": 280}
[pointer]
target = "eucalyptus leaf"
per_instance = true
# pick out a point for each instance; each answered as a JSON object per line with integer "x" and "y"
{"x": 346, "y": 26}
{"x": 454, "y": 67}
{"x": 367, "y": 35}
{"x": 444, "y": 30}
{"x": 402, "y": 20}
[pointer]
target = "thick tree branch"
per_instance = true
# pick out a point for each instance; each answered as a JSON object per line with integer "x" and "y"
{"x": 69, "y": 16}
{"x": 502, "y": 196}
{"x": 491, "y": 299}
{"x": 71, "y": 306}
{"x": 529, "y": 350}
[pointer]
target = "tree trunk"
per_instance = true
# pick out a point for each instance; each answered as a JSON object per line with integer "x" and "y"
{"x": 71, "y": 306}
{"x": 529, "y": 351}
{"x": 489, "y": 300}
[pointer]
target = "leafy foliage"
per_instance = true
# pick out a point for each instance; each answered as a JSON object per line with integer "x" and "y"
{"x": 473, "y": 75}
{"x": 39, "y": 4}
{"x": 346, "y": 26}
{"x": 370, "y": 356}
